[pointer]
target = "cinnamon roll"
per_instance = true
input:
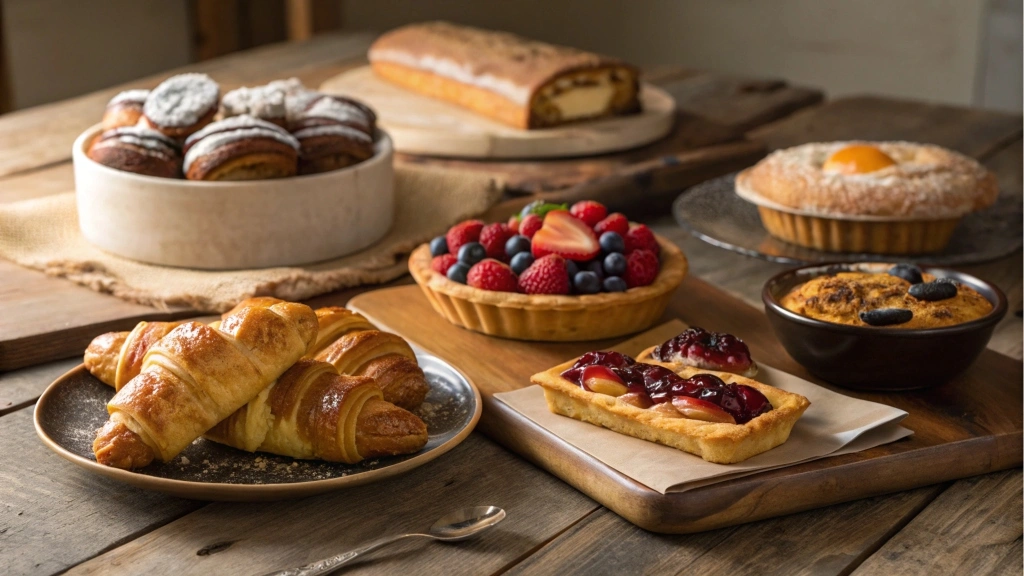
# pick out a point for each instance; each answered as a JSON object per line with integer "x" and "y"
{"x": 240, "y": 148}
{"x": 330, "y": 147}
{"x": 125, "y": 109}
{"x": 137, "y": 149}
{"x": 182, "y": 104}
{"x": 327, "y": 110}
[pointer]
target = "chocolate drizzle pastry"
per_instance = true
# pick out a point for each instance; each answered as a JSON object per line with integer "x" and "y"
{"x": 124, "y": 109}
{"x": 182, "y": 104}
{"x": 241, "y": 148}
{"x": 330, "y": 147}
{"x": 335, "y": 110}
{"x": 139, "y": 150}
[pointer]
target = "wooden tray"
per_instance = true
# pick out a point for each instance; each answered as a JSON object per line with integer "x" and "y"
{"x": 967, "y": 427}
{"x": 423, "y": 125}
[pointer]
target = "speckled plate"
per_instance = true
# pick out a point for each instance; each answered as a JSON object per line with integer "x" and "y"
{"x": 74, "y": 406}
{"x": 714, "y": 213}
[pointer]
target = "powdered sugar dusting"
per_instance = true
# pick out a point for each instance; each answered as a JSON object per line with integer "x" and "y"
{"x": 181, "y": 100}
{"x": 129, "y": 96}
{"x": 261, "y": 102}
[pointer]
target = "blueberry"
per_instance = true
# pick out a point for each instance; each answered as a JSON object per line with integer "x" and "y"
{"x": 517, "y": 244}
{"x": 586, "y": 282}
{"x": 614, "y": 284}
{"x": 612, "y": 242}
{"x": 933, "y": 291}
{"x": 596, "y": 267}
{"x": 615, "y": 264}
{"x": 472, "y": 252}
{"x": 458, "y": 272}
{"x": 908, "y": 272}
{"x": 572, "y": 268}
{"x": 521, "y": 261}
{"x": 886, "y": 316}
{"x": 439, "y": 246}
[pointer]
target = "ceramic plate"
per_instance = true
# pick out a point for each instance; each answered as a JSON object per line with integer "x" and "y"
{"x": 74, "y": 406}
{"x": 714, "y": 213}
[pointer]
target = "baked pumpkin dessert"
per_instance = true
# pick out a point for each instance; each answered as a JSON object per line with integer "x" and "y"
{"x": 552, "y": 273}
{"x": 719, "y": 416}
{"x": 903, "y": 297}
{"x": 873, "y": 197}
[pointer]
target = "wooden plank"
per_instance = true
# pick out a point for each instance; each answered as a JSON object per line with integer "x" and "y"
{"x": 56, "y": 515}
{"x": 41, "y": 136}
{"x": 21, "y": 388}
{"x": 972, "y": 528}
{"x": 255, "y": 539}
{"x": 971, "y": 131}
{"x": 982, "y": 434}
{"x": 828, "y": 541}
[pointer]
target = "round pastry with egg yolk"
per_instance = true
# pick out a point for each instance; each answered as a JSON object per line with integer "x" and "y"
{"x": 901, "y": 180}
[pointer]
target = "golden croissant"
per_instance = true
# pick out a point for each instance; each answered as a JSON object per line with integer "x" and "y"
{"x": 196, "y": 376}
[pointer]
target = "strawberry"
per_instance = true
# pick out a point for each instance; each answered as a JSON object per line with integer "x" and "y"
{"x": 589, "y": 212}
{"x": 566, "y": 236}
{"x": 640, "y": 237}
{"x": 493, "y": 237}
{"x": 546, "y": 275}
{"x": 513, "y": 225}
{"x": 442, "y": 263}
{"x": 490, "y": 274}
{"x": 614, "y": 222}
{"x": 463, "y": 233}
{"x": 641, "y": 268}
{"x": 530, "y": 224}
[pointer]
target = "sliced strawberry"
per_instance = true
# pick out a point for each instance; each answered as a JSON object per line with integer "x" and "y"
{"x": 493, "y": 237}
{"x": 566, "y": 236}
{"x": 463, "y": 233}
{"x": 546, "y": 275}
{"x": 615, "y": 222}
{"x": 442, "y": 263}
{"x": 640, "y": 237}
{"x": 697, "y": 409}
{"x": 589, "y": 212}
{"x": 602, "y": 380}
{"x": 530, "y": 224}
{"x": 492, "y": 275}
{"x": 641, "y": 268}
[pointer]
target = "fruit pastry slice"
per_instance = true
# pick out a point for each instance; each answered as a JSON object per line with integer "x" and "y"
{"x": 721, "y": 417}
{"x": 698, "y": 348}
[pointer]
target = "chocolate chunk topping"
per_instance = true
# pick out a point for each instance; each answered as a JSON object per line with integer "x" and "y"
{"x": 886, "y": 316}
{"x": 908, "y": 272}
{"x": 933, "y": 291}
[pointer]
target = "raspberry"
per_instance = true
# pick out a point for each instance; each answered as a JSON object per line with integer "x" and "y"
{"x": 463, "y": 233}
{"x": 615, "y": 222}
{"x": 490, "y": 274}
{"x": 530, "y": 224}
{"x": 641, "y": 268}
{"x": 442, "y": 263}
{"x": 545, "y": 276}
{"x": 589, "y": 212}
{"x": 640, "y": 237}
{"x": 493, "y": 237}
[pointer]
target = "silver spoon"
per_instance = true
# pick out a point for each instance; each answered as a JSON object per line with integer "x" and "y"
{"x": 458, "y": 525}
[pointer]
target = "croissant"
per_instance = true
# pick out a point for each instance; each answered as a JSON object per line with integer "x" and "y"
{"x": 314, "y": 412}
{"x": 196, "y": 376}
{"x": 116, "y": 357}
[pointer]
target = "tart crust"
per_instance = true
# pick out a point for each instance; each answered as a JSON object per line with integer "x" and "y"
{"x": 714, "y": 442}
{"x": 549, "y": 317}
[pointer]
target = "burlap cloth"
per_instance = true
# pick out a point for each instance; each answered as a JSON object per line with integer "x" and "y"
{"x": 43, "y": 234}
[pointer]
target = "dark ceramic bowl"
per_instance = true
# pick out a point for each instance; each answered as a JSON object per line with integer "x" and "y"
{"x": 869, "y": 358}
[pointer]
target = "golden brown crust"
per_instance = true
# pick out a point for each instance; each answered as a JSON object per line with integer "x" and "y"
{"x": 927, "y": 182}
{"x": 103, "y": 355}
{"x": 840, "y": 299}
{"x": 714, "y": 442}
{"x": 499, "y": 75}
{"x": 117, "y": 446}
{"x": 250, "y": 159}
{"x": 121, "y": 114}
{"x": 400, "y": 379}
{"x": 137, "y": 343}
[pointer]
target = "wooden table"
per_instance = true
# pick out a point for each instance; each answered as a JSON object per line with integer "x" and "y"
{"x": 55, "y": 517}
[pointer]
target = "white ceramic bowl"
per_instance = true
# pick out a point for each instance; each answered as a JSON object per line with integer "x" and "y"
{"x": 234, "y": 225}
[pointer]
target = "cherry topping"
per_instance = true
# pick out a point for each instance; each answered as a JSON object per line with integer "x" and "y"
{"x": 708, "y": 350}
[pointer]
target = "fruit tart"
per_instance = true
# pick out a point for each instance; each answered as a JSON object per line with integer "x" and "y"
{"x": 551, "y": 273}
{"x": 721, "y": 417}
{"x": 876, "y": 197}
{"x": 698, "y": 348}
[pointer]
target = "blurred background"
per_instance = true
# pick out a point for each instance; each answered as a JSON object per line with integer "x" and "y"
{"x": 965, "y": 52}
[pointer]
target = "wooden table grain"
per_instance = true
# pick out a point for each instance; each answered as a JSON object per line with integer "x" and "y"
{"x": 57, "y": 518}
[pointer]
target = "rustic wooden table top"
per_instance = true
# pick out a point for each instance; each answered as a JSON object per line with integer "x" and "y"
{"x": 57, "y": 518}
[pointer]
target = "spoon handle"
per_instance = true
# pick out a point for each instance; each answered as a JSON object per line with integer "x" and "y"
{"x": 328, "y": 565}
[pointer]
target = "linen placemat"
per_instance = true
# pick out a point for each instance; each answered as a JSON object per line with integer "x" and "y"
{"x": 833, "y": 424}
{"x": 43, "y": 234}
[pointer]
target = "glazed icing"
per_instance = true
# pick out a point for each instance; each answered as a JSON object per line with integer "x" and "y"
{"x": 222, "y": 138}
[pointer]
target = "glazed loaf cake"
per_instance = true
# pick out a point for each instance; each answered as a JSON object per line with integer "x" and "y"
{"x": 516, "y": 81}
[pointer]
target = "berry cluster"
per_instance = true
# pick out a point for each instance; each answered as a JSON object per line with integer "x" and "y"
{"x": 550, "y": 249}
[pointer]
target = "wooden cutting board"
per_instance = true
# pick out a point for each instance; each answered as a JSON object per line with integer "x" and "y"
{"x": 967, "y": 427}
{"x": 419, "y": 124}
